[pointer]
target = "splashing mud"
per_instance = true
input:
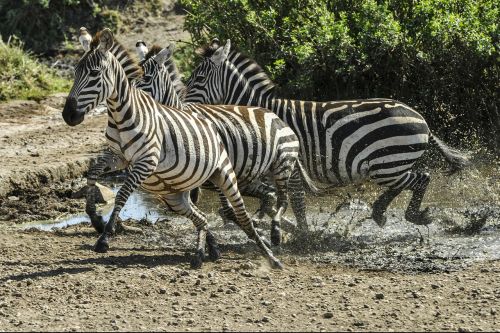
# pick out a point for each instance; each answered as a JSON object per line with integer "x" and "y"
{"x": 466, "y": 227}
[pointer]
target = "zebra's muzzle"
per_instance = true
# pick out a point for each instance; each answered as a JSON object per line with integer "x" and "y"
{"x": 70, "y": 115}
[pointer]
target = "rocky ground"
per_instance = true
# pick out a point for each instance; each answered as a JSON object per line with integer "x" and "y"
{"x": 54, "y": 282}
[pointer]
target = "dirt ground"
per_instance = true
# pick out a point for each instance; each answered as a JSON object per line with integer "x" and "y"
{"x": 54, "y": 282}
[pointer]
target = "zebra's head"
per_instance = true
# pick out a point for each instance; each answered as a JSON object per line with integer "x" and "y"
{"x": 154, "y": 77}
{"x": 205, "y": 85}
{"x": 93, "y": 80}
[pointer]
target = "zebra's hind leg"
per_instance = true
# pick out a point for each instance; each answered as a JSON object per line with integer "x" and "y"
{"x": 418, "y": 185}
{"x": 380, "y": 205}
{"x": 225, "y": 179}
{"x": 297, "y": 195}
{"x": 416, "y": 182}
{"x": 282, "y": 171}
{"x": 266, "y": 195}
{"x": 180, "y": 204}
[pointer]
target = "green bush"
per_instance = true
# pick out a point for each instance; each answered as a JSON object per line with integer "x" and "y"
{"x": 439, "y": 56}
{"x": 23, "y": 77}
{"x": 44, "y": 24}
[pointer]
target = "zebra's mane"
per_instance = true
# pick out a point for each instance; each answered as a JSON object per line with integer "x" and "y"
{"x": 252, "y": 69}
{"x": 129, "y": 62}
{"x": 173, "y": 72}
{"x": 155, "y": 49}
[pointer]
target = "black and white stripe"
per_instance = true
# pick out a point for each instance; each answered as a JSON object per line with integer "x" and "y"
{"x": 342, "y": 142}
{"x": 168, "y": 151}
{"x": 258, "y": 141}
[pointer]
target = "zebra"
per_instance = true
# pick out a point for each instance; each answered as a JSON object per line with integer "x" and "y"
{"x": 167, "y": 151}
{"x": 257, "y": 141}
{"x": 342, "y": 142}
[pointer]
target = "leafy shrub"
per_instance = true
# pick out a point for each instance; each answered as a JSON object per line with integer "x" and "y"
{"x": 23, "y": 77}
{"x": 439, "y": 56}
{"x": 44, "y": 24}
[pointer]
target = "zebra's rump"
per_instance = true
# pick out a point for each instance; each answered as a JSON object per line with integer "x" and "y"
{"x": 357, "y": 140}
{"x": 254, "y": 138}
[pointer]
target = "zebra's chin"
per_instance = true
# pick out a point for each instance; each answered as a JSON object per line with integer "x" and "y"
{"x": 70, "y": 115}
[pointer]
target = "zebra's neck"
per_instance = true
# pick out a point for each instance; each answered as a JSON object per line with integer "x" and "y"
{"x": 170, "y": 93}
{"x": 120, "y": 100}
{"x": 245, "y": 82}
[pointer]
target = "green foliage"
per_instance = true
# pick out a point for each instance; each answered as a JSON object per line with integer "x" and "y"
{"x": 439, "y": 56}
{"x": 44, "y": 24}
{"x": 23, "y": 77}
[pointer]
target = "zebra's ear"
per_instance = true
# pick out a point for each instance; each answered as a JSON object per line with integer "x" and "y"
{"x": 221, "y": 54}
{"x": 165, "y": 54}
{"x": 105, "y": 40}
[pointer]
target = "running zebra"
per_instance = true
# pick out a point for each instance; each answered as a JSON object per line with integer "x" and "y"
{"x": 342, "y": 142}
{"x": 167, "y": 151}
{"x": 257, "y": 141}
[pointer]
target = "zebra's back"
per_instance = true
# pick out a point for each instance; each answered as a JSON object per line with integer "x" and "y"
{"x": 254, "y": 137}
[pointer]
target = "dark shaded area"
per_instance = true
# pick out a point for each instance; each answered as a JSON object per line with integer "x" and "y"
{"x": 438, "y": 57}
{"x": 43, "y": 25}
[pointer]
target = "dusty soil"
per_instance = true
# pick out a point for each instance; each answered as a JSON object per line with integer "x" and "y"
{"x": 38, "y": 152}
{"x": 53, "y": 281}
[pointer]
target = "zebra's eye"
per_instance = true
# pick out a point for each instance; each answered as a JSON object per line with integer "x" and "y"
{"x": 94, "y": 72}
{"x": 147, "y": 77}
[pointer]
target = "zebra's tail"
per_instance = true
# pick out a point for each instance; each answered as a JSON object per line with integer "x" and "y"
{"x": 307, "y": 180}
{"x": 454, "y": 157}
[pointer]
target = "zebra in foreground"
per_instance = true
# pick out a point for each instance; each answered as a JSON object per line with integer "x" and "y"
{"x": 342, "y": 142}
{"x": 167, "y": 151}
{"x": 257, "y": 141}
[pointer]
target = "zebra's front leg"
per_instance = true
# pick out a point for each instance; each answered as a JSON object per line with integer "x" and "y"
{"x": 225, "y": 179}
{"x": 418, "y": 185}
{"x": 141, "y": 170}
{"x": 180, "y": 204}
{"x": 106, "y": 162}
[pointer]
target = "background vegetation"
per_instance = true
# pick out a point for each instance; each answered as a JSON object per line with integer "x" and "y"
{"x": 44, "y": 24}
{"x": 22, "y": 76}
{"x": 439, "y": 56}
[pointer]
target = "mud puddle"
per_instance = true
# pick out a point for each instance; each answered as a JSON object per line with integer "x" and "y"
{"x": 466, "y": 227}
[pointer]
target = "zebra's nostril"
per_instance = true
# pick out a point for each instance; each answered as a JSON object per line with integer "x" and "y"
{"x": 70, "y": 114}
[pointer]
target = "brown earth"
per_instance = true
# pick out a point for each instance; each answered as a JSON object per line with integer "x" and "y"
{"x": 54, "y": 282}
{"x": 38, "y": 151}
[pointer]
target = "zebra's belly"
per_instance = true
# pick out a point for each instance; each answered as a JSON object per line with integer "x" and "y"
{"x": 169, "y": 181}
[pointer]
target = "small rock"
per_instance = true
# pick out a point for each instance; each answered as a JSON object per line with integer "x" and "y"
{"x": 328, "y": 315}
{"x": 379, "y": 296}
{"x": 358, "y": 323}
{"x": 265, "y": 303}
{"x": 176, "y": 293}
{"x": 266, "y": 319}
{"x": 434, "y": 286}
{"x": 13, "y": 198}
{"x": 163, "y": 291}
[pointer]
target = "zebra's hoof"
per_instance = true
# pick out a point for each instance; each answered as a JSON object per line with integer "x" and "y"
{"x": 276, "y": 264}
{"x": 275, "y": 235}
{"x": 420, "y": 218}
{"x": 214, "y": 253}
{"x": 380, "y": 219}
{"x": 101, "y": 246}
{"x": 197, "y": 260}
{"x": 98, "y": 223}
